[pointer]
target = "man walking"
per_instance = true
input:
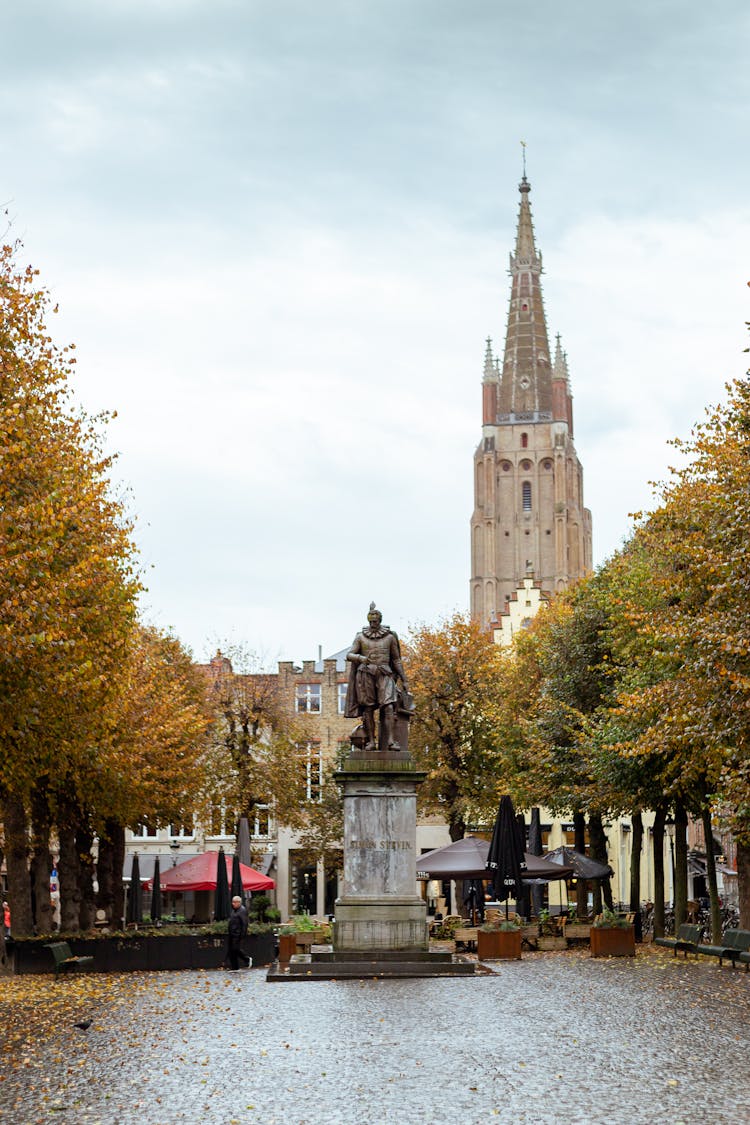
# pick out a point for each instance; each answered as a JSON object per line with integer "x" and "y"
{"x": 236, "y": 930}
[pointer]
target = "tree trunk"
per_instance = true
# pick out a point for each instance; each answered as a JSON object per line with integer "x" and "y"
{"x": 658, "y": 838}
{"x": 70, "y": 881}
{"x": 116, "y": 842}
{"x": 636, "y": 847}
{"x": 41, "y": 859}
{"x": 680, "y": 864}
{"x": 84, "y": 844}
{"x": 17, "y": 863}
{"x": 713, "y": 889}
{"x": 599, "y": 853}
{"x": 743, "y": 883}
{"x": 105, "y": 873}
{"x": 4, "y": 963}
{"x": 582, "y": 889}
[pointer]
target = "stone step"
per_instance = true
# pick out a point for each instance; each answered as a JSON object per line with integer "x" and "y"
{"x": 328, "y": 955}
{"x": 302, "y": 969}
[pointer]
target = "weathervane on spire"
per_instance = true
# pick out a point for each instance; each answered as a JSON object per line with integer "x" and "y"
{"x": 523, "y": 149}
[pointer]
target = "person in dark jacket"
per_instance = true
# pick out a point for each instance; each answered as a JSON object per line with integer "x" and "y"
{"x": 236, "y": 930}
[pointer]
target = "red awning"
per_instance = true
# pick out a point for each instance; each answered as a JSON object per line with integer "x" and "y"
{"x": 199, "y": 874}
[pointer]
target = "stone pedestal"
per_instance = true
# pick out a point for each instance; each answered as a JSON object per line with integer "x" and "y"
{"x": 379, "y": 908}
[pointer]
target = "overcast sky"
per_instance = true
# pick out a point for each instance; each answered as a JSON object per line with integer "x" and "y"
{"x": 279, "y": 233}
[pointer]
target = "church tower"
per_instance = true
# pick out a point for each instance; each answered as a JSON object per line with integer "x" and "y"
{"x": 528, "y": 482}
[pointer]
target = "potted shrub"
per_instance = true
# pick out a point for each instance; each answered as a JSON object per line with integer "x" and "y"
{"x": 298, "y": 935}
{"x": 287, "y": 943}
{"x": 612, "y": 936}
{"x": 500, "y": 940}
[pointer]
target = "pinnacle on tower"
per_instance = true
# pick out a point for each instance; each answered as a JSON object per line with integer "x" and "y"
{"x": 490, "y": 363}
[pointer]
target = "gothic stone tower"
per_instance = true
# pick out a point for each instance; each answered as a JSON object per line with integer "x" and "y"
{"x": 528, "y": 481}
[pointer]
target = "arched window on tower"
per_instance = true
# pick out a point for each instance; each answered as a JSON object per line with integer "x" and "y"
{"x": 526, "y": 495}
{"x": 524, "y": 441}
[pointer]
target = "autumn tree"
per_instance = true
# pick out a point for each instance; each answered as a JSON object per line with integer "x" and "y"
{"x": 696, "y": 716}
{"x": 67, "y": 580}
{"x": 454, "y": 672}
{"x": 257, "y": 748}
{"x": 153, "y": 768}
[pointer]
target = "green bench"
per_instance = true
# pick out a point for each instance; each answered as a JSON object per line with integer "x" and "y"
{"x": 688, "y": 937}
{"x": 64, "y": 959}
{"x": 736, "y": 944}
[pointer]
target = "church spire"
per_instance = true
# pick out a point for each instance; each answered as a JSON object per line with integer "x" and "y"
{"x": 526, "y": 389}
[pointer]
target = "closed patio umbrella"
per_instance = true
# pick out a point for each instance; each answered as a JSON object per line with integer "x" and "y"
{"x": 243, "y": 841}
{"x": 505, "y": 857}
{"x": 237, "y": 888}
{"x": 524, "y": 902}
{"x": 535, "y": 847}
{"x": 156, "y": 893}
{"x": 222, "y": 905}
{"x": 134, "y": 913}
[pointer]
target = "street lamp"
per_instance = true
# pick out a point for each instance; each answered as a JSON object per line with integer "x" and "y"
{"x": 174, "y": 847}
{"x": 669, "y": 824}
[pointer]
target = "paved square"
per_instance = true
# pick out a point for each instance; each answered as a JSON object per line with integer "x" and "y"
{"x": 555, "y": 1037}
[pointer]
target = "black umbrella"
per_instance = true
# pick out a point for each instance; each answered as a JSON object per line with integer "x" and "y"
{"x": 134, "y": 913}
{"x": 156, "y": 893}
{"x": 505, "y": 858}
{"x": 222, "y": 905}
{"x": 237, "y": 878}
{"x": 524, "y": 902}
{"x": 243, "y": 842}
{"x": 535, "y": 847}
{"x": 583, "y": 866}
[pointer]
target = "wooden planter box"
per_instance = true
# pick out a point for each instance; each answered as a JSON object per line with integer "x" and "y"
{"x": 287, "y": 946}
{"x": 613, "y": 941}
{"x": 551, "y": 941}
{"x": 306, "y": 938}
{"x": 501, "y": 945}
{"x": 577, "y": 931}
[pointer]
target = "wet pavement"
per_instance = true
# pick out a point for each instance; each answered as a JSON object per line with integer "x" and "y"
{"x": 556, "y": 1037}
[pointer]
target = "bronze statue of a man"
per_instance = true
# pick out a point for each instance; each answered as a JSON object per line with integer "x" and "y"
{"x": 375, "y": 657}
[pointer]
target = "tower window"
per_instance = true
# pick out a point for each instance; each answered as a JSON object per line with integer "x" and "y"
{"x": 526, "y": 495}
{"x": 524, "y": 441}
{"x": 526, "y": 465}
{"x": 547, "y": 464}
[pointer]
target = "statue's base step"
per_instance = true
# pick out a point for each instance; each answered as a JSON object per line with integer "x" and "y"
{"x": 375, "y": 965}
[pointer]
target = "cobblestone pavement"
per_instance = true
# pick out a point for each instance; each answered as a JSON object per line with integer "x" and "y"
{"x": 555, "y": 1037}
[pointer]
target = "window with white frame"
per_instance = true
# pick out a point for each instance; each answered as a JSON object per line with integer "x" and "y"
{"x": 260, "y": 822}
{"x": 342, "y": 698}
{"x": 307, "y": 698}
{"x": 144, "y": 830}
{"x": 223, "y": 820}
{"x": 313, "y": 772}
{"x": 182, "y": 828}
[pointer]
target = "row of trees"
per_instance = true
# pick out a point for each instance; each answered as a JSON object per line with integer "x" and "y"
{"x": 629, "y": 692}
{"x": 105, "y": 722}
{"x": 102, "y": 719}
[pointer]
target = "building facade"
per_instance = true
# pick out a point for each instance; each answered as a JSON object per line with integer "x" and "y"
{"x": 528, "y": 513}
